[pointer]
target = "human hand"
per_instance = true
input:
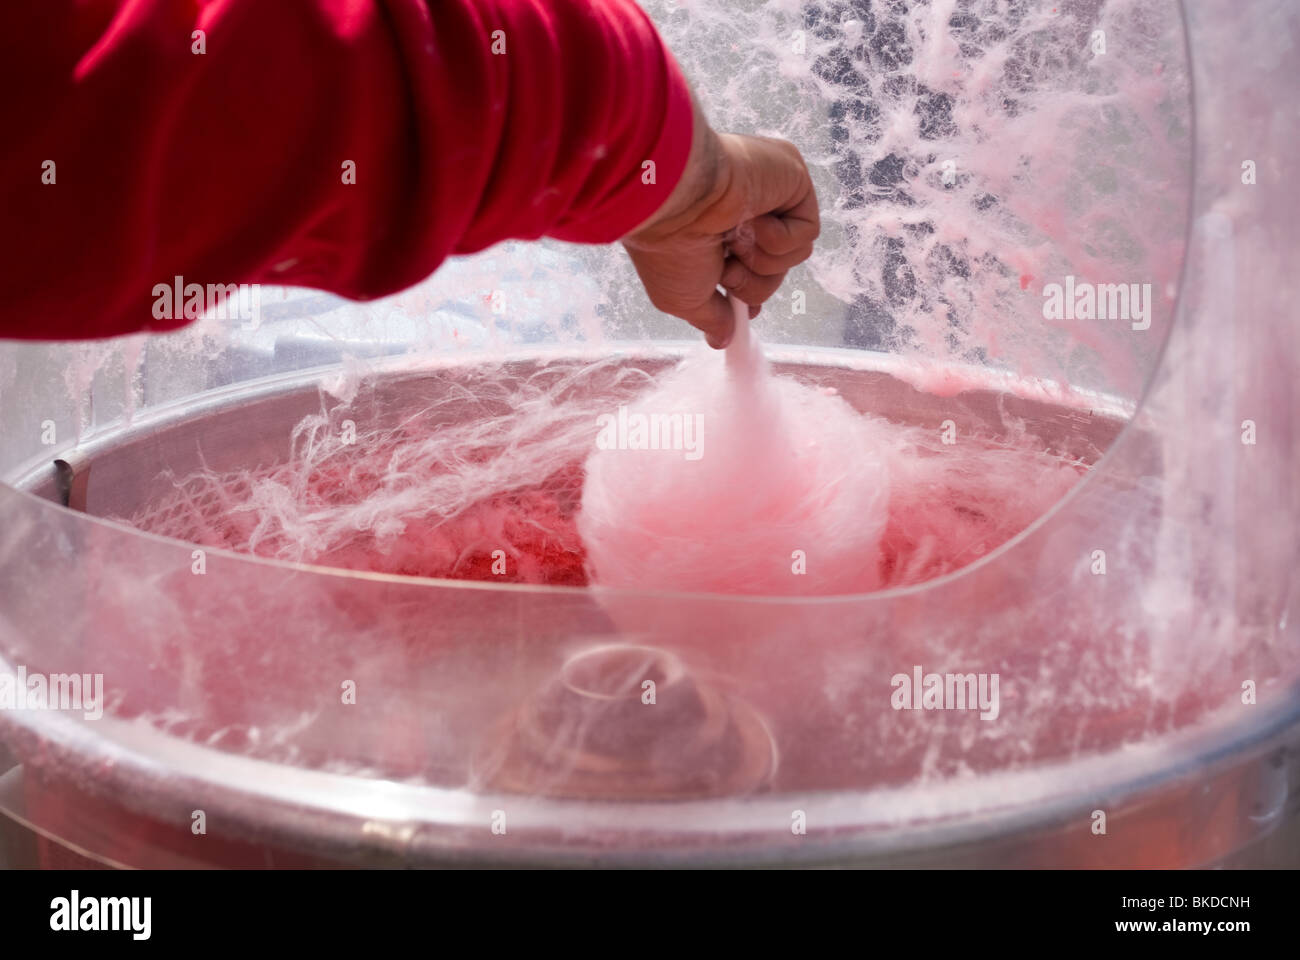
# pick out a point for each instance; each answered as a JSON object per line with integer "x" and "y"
{"x": 743, "y": 214}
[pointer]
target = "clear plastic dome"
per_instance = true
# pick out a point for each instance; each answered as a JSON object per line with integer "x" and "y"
{"x": 968, "y": 157}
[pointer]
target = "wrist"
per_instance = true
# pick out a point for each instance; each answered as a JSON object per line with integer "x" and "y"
{"x": 702, "y": 182}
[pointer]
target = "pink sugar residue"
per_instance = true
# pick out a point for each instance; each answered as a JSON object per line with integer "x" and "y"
{"x": 504, "y": 477}
{"x": 948, "y": 507}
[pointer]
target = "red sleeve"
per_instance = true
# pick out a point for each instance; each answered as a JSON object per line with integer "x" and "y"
{"x": 468, "y": 122}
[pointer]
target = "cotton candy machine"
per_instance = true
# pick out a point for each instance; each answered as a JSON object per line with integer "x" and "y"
{"x": 295, "y": 674}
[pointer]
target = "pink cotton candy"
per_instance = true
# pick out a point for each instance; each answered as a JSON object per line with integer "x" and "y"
{"x": 789, "y": 494}
{"x": 494, "y": 479}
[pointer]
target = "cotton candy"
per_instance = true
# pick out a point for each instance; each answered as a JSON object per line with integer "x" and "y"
{"x": 789, "y": 493}
{"x": 782, "y": 490}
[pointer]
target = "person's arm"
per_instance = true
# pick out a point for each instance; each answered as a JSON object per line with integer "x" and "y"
{"x": 349, "y": 145}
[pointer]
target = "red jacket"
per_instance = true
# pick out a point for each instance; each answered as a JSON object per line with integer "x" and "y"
{"x": 128, "y": 158}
